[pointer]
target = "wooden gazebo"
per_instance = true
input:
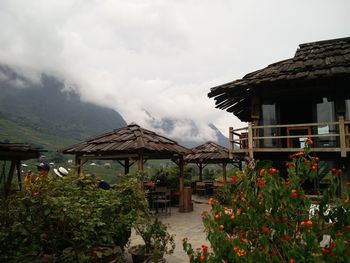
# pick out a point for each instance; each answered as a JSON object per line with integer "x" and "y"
{"x": 15, "y": 153}
{"x": 129, "y": 145}
{"x": 211, "y": 153}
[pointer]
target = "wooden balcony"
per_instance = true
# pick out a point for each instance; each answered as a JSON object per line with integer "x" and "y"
{"x": 328, "y": 137}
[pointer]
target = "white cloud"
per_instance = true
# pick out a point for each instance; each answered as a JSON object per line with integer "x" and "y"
{"x": 160, "y": 56}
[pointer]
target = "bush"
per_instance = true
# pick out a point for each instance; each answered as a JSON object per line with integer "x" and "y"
{"x": 263, "y": 217}
{"x": 67, "y": 220}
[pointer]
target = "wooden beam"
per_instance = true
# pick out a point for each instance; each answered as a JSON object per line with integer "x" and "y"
{"x": 9, "y": 178}
{"x": 181, "y": 186}
{"x": 19, "y": 178}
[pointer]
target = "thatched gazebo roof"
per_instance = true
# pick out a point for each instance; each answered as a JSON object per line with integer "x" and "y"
{"x": 128, "y": 141}
{"x": 314, "y": 64}
{"x": 210, "y": 152}
{"x": 18, "y": 151}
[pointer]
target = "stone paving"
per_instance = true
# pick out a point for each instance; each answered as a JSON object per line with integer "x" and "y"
{"x": 182, "y": 225}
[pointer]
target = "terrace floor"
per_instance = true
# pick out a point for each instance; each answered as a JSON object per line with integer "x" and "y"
{"x": 182, "y": 225}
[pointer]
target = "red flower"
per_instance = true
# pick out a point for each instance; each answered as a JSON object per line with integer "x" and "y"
{"x": 204, "y": 248}
{"x": 291, "y": 261}
{"x": 265, "y": 229}
{"x": 294, "y": 193}
{"x": 325, "y": 251}
{"x": 314, "y": 167}
{"x": 260, "y": 181}
{"x": 234, "y": 179}
{"x": 316, "y": 159}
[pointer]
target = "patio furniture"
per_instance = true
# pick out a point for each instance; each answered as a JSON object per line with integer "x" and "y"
{"x": 200, "y": 188}
{"x": 161, "y": 201}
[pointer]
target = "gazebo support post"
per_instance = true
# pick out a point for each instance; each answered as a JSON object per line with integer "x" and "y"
{"x": 9, "y": 178}
{"x": 78, "y": 164}
{"x": 200, "y": 166}
{"x": 181, "y": 186}
{"x": 18, "y": 168}
{"x": 224, "y": 172}
{"x": 126, "y": 166}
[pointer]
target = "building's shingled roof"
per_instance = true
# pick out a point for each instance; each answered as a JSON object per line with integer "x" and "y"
{"x": 322, "y": 59}
{"x": 207, "y": 153}
{"x": 129, "y": 139}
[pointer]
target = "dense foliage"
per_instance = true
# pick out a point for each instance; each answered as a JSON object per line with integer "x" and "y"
{"x": 263, "y": 217}
{"x": 67, "y": 220}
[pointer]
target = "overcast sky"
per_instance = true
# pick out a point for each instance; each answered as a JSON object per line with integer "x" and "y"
{"x": 160, "y": 56}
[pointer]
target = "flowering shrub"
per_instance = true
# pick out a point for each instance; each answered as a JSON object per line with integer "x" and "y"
{"x": 263, "y": 217}
{"x": 68, "y": 220}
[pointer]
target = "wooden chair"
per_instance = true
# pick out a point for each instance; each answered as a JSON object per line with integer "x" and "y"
{"x": 162, "y": 201}
{"x": 200, "y": 188}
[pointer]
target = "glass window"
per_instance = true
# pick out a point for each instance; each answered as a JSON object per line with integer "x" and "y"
{"x": 325, "y": 113}
{"x": 269, "y": 118}
{"x": 347, "y": 109}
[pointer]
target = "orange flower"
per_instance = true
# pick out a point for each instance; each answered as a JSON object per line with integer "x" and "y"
{"x": 238, "y": 212}
{"x": 217, "y": 216}
{"x": 308, "y": 223}
{"x": 273, "y": 170}
{"x": 210, "y": 202}
{"x": 221, "y": 227}
{"x": 202, "y": 258}
{"x": 309, "y": 141}
{"x": 232, "y": 216}
{"x": 239, "y": 251}
{"x": 262, "y": 171}
{"x": 234, "y": 179}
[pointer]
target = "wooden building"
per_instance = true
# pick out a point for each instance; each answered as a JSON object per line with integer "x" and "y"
{"x": 286, "y": 102}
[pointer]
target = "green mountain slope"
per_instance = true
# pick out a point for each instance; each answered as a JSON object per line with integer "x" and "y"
{"x": 12, "y": 132}
{"x": 47, "y": 116}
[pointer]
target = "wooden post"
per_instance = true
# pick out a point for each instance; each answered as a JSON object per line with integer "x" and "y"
{"x": 18, "y": 169}
{"x": 126, "y": 166}
{"x": 250, "y": 140}
{"x": 200, "y": 171}
{"x": 342, "y": 137}
{"x": 9, "y": 178}
{"x": 231, "y": 143}
{"x": 77, "y": 165}
{"x": 224, "y": 172}
{"x": 181, "y": 185}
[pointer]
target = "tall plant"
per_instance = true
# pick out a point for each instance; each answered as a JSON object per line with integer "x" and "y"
{"x": 66, "y": 220}
{"x": 264, "y": 217}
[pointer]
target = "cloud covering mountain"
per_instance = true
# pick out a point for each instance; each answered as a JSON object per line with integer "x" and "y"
{"x": 159, "y": 56}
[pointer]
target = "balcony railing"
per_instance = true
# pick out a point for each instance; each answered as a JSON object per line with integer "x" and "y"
{"x": 327, "y": 137}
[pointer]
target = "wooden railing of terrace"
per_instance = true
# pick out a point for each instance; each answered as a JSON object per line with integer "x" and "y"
{"x": 327, "y": 137}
